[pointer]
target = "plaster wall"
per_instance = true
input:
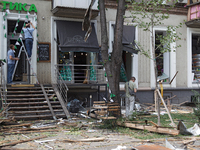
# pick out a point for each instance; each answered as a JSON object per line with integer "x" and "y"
{"x": 144, "y": 65}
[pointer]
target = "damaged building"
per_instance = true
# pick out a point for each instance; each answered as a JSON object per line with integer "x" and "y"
{"x": 61, "y": 55}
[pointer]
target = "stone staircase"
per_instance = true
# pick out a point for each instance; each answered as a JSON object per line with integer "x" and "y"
{"x": 33, "y": 102}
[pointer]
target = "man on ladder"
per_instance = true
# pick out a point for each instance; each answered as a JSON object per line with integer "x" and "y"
{"x": 11, "y": 63}
{"x": 28, "y": 34}
{"x": 27, "y": 48}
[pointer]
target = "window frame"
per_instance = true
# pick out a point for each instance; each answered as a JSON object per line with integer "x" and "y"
{"x": 172, "y": 61}
{"x": 134, "y": 68}
{"x": 190, "y": 31}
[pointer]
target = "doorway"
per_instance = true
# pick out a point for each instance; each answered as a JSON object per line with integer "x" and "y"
{"x": 21, "y": 72}
{"x": 80, "y": 68}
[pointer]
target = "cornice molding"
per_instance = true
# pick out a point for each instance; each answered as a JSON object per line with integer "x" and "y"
{"x": 178, "y": 10}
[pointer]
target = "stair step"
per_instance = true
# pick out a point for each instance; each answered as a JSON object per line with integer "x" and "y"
{"x": 14, "y": 92}
{"x": 37, "y": 116}
{"x": 34, "y": 107}
{"x": 22, "y": 85}
{"x": 27, "y": 88}
{"x": 29, "y": 99}
{"x": 29, "y": 102}
{"x": 23, "y": 88}
{"x": 37, "y": 111}
{"x": 33, "y": 103}
{"x": 28, "y": 95}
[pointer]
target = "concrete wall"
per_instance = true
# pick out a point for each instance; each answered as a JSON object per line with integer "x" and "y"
{"x": 181, "y": 95}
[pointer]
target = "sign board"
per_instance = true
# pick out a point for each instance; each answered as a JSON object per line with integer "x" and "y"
{"x": 44, "y": 52}
{"x": 18, "y": 6}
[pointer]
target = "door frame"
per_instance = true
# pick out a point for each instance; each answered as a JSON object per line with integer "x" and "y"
{"x": 4, "y": 45}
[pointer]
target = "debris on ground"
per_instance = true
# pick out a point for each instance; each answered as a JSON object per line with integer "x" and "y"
{"x": 119, "y": 147}
{"x": 157, "y": 129}
{"x": 172, "y": 147}
{"x": 82, "y": 132}
{"x": 22, "y": 141}
{"x": 74, "y": 106}
{"x": 85, "y": 140}
{"x": 195, "y": 130}
{"x": 151, "y": 147}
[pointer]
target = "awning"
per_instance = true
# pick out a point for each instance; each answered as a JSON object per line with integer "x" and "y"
{"x": 71, "y": 37}
{"x": 128, "y": 39}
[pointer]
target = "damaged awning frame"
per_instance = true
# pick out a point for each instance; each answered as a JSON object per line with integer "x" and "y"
{"x": 71, "y": 37}
{"x": 128, "y": 39}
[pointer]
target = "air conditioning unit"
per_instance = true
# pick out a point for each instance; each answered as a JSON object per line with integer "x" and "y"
{"x": 182, "y": 1}
{"x": 170, "y": 2}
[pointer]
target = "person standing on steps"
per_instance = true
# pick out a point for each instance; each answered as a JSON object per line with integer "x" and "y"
{"x": 11, "y": 63}
{"x": 28, "y": 34}
{"x": 130, "y": 89}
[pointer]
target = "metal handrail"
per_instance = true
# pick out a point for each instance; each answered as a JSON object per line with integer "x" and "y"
{"x": 61, "y": 89}
{"x": 87, "y": 74}
{"x": 60, "y": 84}
{"x": 3, "y": 86}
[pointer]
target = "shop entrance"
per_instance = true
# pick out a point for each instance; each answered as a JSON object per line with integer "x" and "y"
{"x": 80, "y": 69}
{"x": 22, "y": 72}
{"x": 73, "y": 66}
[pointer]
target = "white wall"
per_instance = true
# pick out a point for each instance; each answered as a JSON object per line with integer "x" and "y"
{"x": 145, "y": 67}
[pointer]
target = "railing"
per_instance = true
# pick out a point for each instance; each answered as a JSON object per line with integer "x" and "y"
{"x": 3, "y": 85}
{"x": 74, "y": 3}
{"x": 60, "y": 85}
{"x": 85, "y": 74}
{"x": 61, "y": 89}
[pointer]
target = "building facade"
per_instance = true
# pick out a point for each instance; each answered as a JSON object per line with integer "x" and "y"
{"x": 59, "y": 39}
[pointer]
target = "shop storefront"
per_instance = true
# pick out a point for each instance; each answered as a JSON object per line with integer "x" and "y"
{"x": 77, "y": 58}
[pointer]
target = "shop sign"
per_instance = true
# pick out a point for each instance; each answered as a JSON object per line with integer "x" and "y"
{"x": 18, "y": 6}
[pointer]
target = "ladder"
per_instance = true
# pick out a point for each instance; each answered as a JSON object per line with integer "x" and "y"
{"x": 29, "y": 61}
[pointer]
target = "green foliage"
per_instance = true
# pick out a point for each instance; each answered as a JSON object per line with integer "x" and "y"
{"x": 136, "y": 114}
{"x": 54, "y": 99}
{"x": 108, "y": 124}
{"x": 151, "y": 13}
{"x": 74, "y": 129}
{"x": 189, "y": 119}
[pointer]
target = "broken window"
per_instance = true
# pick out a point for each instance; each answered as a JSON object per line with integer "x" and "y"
{"x": 195, "y": 57}
{"x": 126, "y": 68}
{"x": 128, "y": 47}
{"x": 163, "y": 59}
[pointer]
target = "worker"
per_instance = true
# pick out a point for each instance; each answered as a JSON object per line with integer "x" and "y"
{"x": 11, "y": 63}
{"x": 130, "y": 89}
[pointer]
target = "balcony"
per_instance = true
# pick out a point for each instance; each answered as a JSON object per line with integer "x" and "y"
{"x": 73, "y": 8}
{"x": 193, "y": 20}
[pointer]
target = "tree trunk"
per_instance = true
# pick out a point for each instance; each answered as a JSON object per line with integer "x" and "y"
{"x": 113, "y": 66}
{"x": 155, "y": 71}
